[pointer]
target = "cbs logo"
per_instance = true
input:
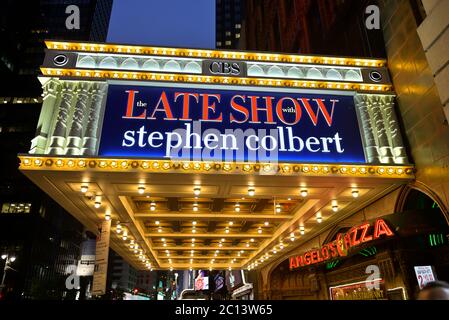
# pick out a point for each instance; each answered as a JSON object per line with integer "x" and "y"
{"x": 225, "y": 68}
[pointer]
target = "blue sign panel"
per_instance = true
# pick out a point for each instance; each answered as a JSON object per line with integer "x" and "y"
{"x": 229, "y": 125}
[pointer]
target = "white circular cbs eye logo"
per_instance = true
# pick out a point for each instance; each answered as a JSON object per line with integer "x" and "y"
{"x": 375, "y": 76}
{"x": 60, "y": 60}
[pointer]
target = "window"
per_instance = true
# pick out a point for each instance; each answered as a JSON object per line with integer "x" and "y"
{"x": 16, "y": 207}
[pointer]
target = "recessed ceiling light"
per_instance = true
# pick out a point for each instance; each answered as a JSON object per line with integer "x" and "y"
{"x": 197, "y": 190}
{"x": 97, "y": 203}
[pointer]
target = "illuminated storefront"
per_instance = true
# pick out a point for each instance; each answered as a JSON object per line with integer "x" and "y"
{"x": 204, "y": 159}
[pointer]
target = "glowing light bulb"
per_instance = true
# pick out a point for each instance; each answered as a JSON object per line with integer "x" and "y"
{"x": 197, "y": 190}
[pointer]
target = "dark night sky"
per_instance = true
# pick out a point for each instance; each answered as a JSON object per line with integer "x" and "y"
{"x": 177, "y": 23}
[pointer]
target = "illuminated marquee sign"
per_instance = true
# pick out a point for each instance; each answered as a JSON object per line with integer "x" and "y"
{"x": 226, "y": 125}
{"x": 342, "y": 244}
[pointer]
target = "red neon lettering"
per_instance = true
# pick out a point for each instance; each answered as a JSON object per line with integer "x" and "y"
{"x": 381, "y": 228}
{"x": 130, "y": 106}
{"x": 342, "y": 244}
{"x": 332, "y": 247}
{"x": 325, "y": 252}
{"x": 347, "y": 241}
{"x": 307, "y": 259}
{"x": 293, "y": 264}
{"x": 355, "y": 241}
{"x": 299, "y": 261}
{"x": 314, "y": 256}
{"x": 280, "y": 111}
{"x": 321, "y": 106}
{"x": 239, "y": 108}
{"x": 364, "y": 237}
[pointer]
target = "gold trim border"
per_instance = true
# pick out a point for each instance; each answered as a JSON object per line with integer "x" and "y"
{"x": 188, "y": 78}
{"x": 214, "y": 54}
{"x": 58, "y": 163}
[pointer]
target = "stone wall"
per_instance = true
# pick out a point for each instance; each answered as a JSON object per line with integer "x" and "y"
{"x": 419, "y": 103}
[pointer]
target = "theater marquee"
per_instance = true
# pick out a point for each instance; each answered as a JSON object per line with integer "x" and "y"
{"x": 211, "y": 159}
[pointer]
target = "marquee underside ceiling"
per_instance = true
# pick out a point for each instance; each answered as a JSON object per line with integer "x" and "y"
{"x": 215, "y": 236}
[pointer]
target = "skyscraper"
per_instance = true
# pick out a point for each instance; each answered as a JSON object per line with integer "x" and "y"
{"x": 229, "y": 15}
{"x": 40, "y": 234}
{"x": 314, "y": 27}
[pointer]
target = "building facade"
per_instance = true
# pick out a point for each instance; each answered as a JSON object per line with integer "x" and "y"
{"x": 229, "y": 17}
{"x": 47, "y": 251}
{"x": 121, "y": 275}
{"x": 414, "y": 47}
{"x": 311, "y": 27}
{"x": 175, "y": 211}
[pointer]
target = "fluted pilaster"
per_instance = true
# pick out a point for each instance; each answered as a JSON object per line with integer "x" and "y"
{"x": 74, "y": 138}
{"x": 97, "y": 93}
{"x": 58, "y": 139}
{"x": 397, "y": 144}
{"x": 363, "y": 106}
{"x": 51, "y": 94}
{"x": 384, "y": 148}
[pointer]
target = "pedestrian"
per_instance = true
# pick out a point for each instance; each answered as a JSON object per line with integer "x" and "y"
{"x": 435, "y": 290}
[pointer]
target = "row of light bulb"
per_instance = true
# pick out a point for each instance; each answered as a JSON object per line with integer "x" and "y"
{"x": 196, "y": 190}
{"x": 319, "y": 219}
{"x": 133, "y": 246}
{"x": 304, "y": 192}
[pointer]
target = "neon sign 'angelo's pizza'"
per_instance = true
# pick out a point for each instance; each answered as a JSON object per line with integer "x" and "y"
{"x": 342, "y": 244}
